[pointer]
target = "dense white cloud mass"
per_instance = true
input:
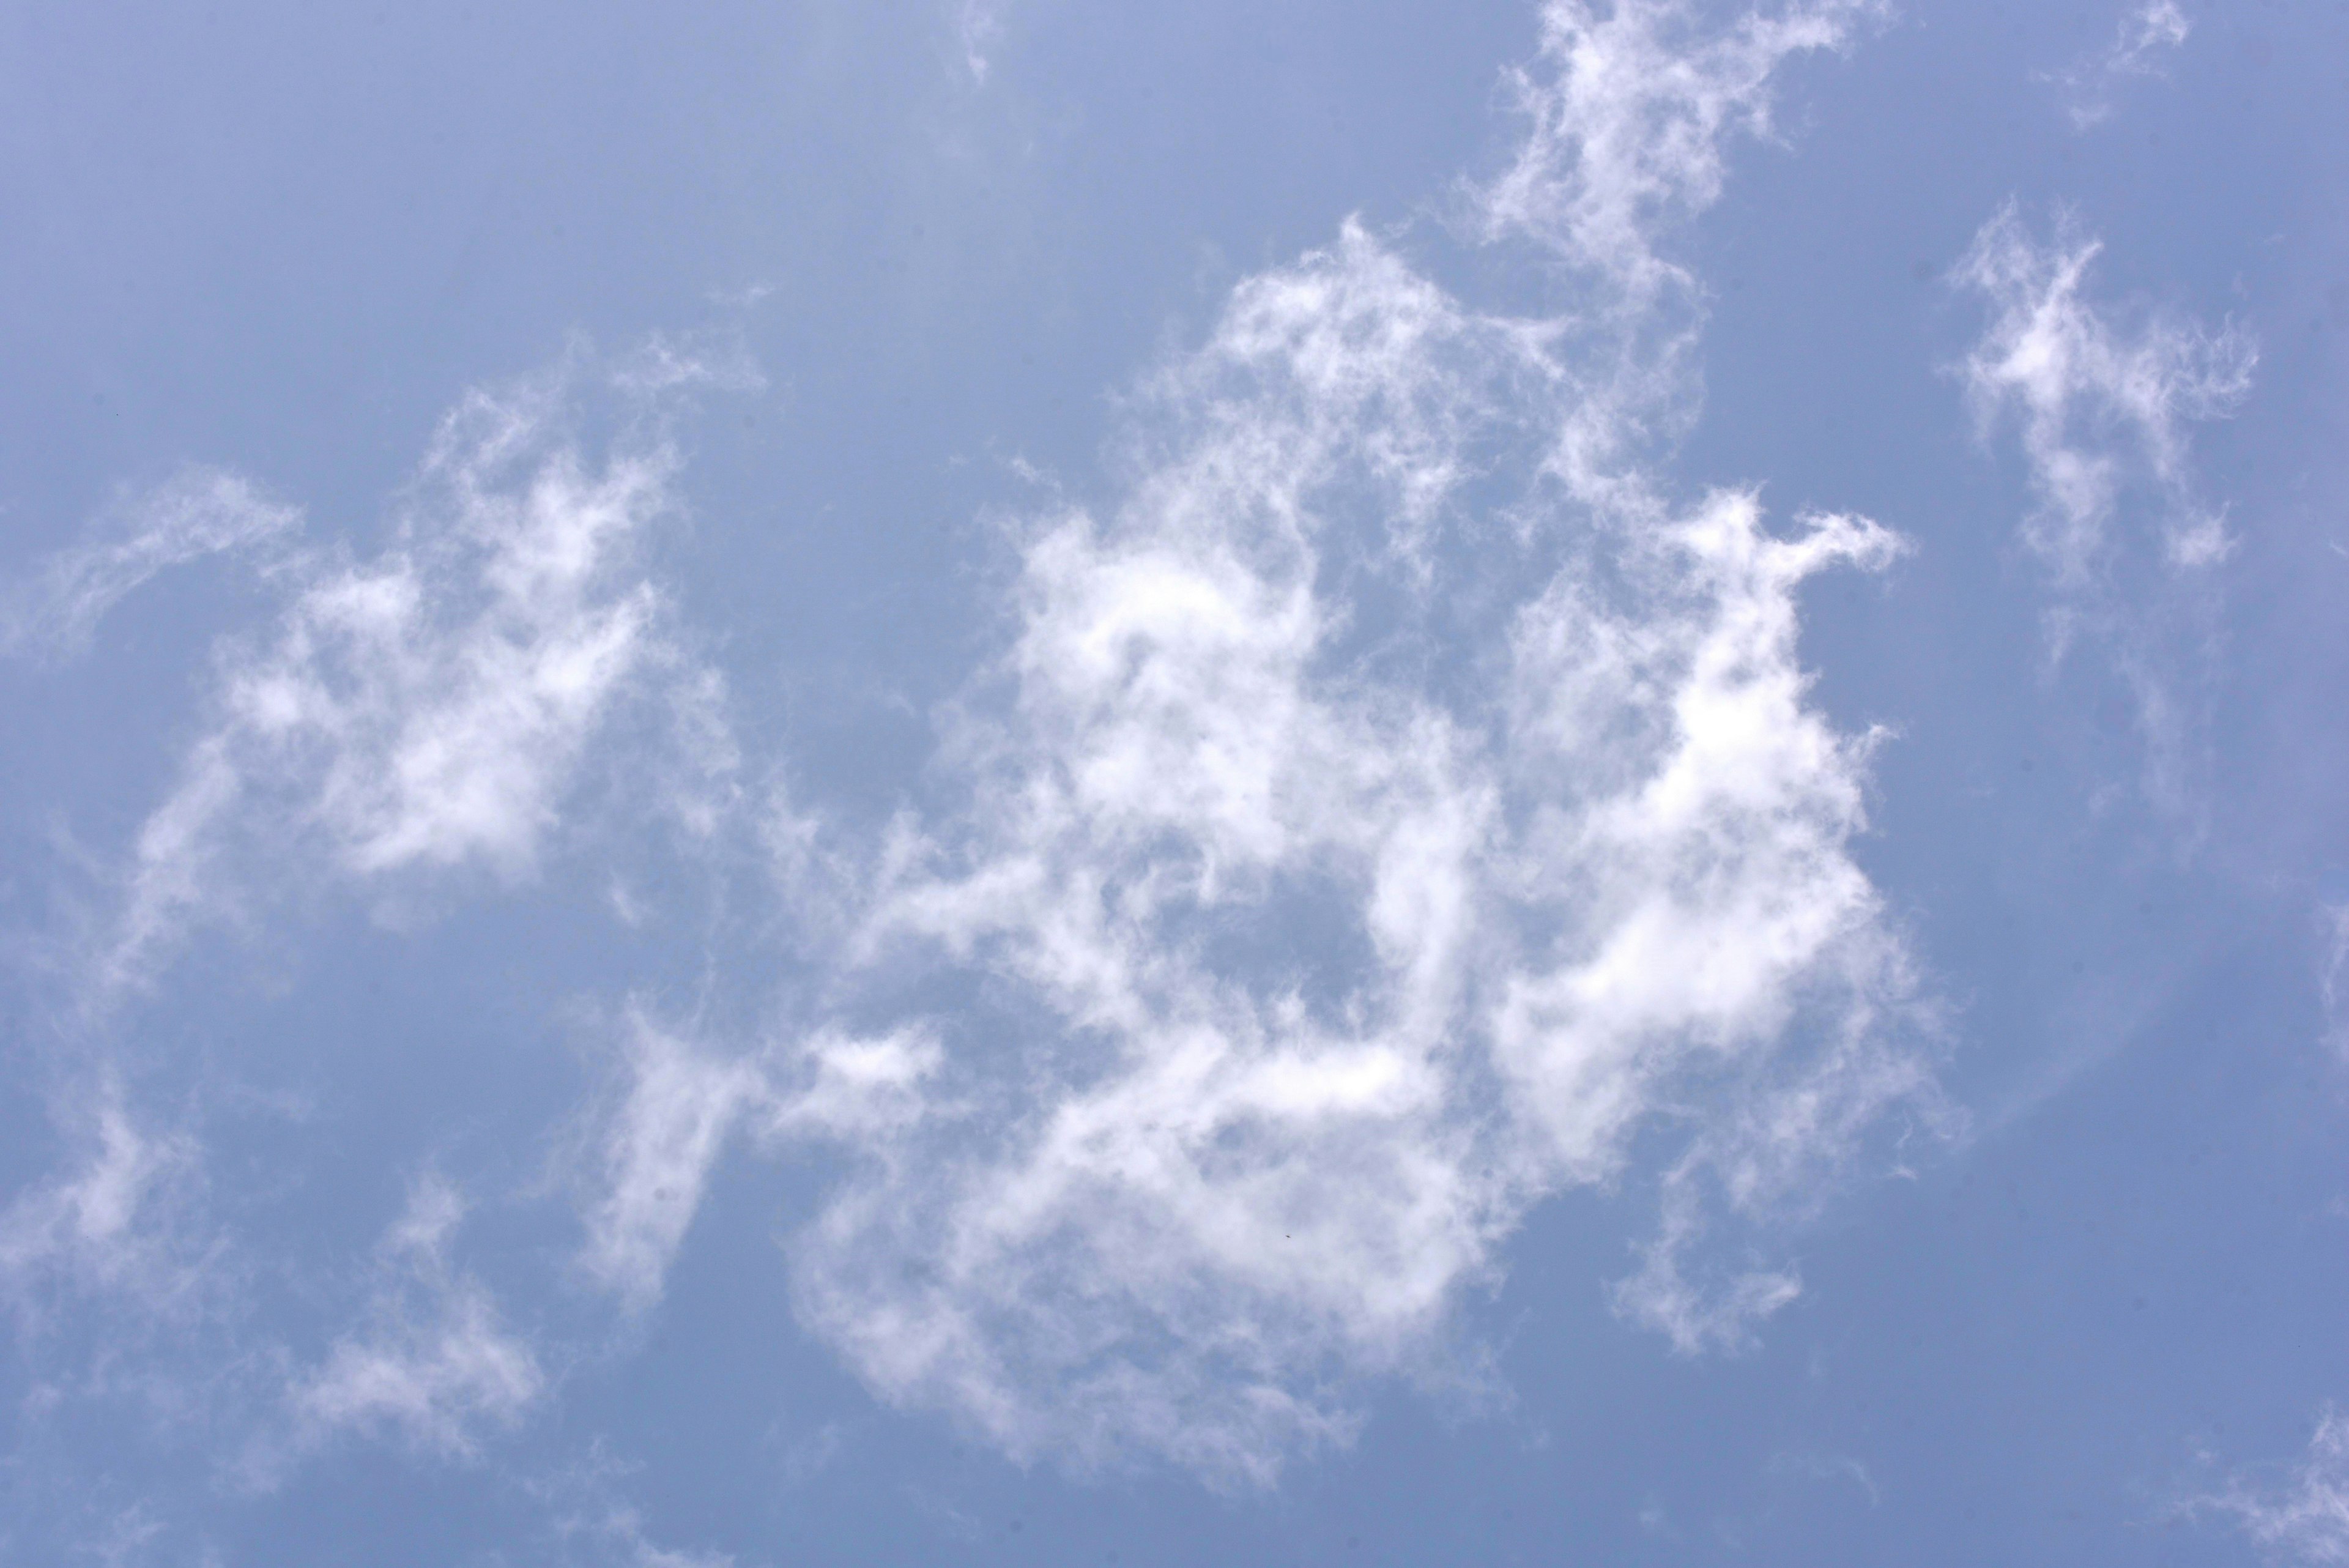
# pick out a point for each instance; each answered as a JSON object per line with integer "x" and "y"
{"x": 2104, "y": 411}
{"x": 979, "y": 27}
{"x": 433, "y": 1363}
{"x": 199, "y": 511}
{"x": 1386, "y": 809}
{"x": 2145, "y": 37}
{"x": 428, "y": 707}
{"x": 2307, "y": 1521}
{"x": 1326, "y": 963}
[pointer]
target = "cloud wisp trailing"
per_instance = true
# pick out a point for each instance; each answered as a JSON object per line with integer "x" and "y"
{"x": 428, "y": 709}
{"x": 2332, "y": 980}
{"x": 2104, "y": 408}
{"x": 432, "y": 1363}
{"x": 978, "y": 29}
{"x": 120, "y": 1227}
{"x": 197, "y": 513}
{"x": 1380, "y": 811}
{"x": 1629, "y": 113}
{"x": 2147, "y": 36}
{"x": 2305, "y": 1522}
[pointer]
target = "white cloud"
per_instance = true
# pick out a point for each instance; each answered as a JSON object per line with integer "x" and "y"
{"x": 2141, "y": 47}
{"x": 118, "y": 1226}
{"x": 1629, "y": 116}
{"x": 1389, "y": 809}
{"x": 657, "y": 1143}
{"x": 2306, "y": 1520}
{"x": 597, "y": 1523}
{"x": 623, "y": 1534}
{"x": 433, "y": 1363}
{"x": 979, "y": 28}
{"x": 2105, "y": 411}
{"x": 1351, "y": 859}
{"x": 198, "y": 512}
{"x": 657, "y": 1152}
{"x": 430, "y": 707}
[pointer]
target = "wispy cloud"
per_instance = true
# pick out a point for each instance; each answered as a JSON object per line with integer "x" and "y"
{"x": 199, "y": 511}
{"x": 118, "y": 1227}
{"x": 1629, "y": 112}
{"x": 679, "y": 1101}
{"x": 2103, "y": 410}
{"x": 597, "y": 1523}
{"x": 655, "y": 1152}
{"x": 2141, "y": 47}
{"x": 433, "y": 1364}
{"x": 979, "y": 28}
{"x": 1352, "y": 859}
{"x": 2101, "y": 407}
{"x": 2305, "y": 1520}
{"x": 427, "y": 708}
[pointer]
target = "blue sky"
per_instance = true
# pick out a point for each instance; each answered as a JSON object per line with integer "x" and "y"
{"x": 1009, "y": 782}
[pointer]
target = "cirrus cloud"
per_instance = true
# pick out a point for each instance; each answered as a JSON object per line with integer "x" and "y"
{"x": 1383, "y": 810}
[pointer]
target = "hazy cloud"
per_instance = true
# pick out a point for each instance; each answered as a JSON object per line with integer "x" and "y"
{"x": 655, "y": 1153}
{"x": 979, "y": 27}
{"x": 432, "y": 1363}
{"x": 2141, "y": 47}
{"x": 428, "y": 707}
{"x": 197, "y": 513}
{"x": 598, "y": 1522}
{"x": 2104, "y": 402}
{"x": 2306, "y": 1519}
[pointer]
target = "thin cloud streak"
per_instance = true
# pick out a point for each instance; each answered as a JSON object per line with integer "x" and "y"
{"x": 432, "y": 1363}
{"x": 665, "y": 1134}
{"x": 2104, "y": 411}
{"x": 199, "y": 511}
{"x": 2142, "y": 45}
{"x": 119, "y": 1228}
{"x": 1629, "y": 114}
